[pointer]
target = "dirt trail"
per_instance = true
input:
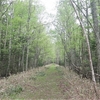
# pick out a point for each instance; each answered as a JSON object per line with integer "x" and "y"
{"x": 50, "y": 82}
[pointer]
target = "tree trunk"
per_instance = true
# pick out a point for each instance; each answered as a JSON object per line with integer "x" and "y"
{"x": 96, "y": 31}
{"x": 89, "y": 50}
{"x": 23, "y": 53}
{"x": 27, "y": 54}
{"x": 9, "y": 58}
{"x": 28, "y": 22}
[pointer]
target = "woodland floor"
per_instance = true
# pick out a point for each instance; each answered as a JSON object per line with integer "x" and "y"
{"x": 51, "y": 82}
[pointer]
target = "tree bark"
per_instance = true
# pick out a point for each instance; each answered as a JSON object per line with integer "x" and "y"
{"x": 23, "y": 56}
{"x": 96, "y": 31}
{"x": 89, "y": 50}
{"x": 28, "y": 22}
{"x": 9, "y": 57}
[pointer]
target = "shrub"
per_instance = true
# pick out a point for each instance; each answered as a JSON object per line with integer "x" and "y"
{"x": 14, "y": 90}
{"x": 32, "y": 78}
{"x": 40, "y": 74}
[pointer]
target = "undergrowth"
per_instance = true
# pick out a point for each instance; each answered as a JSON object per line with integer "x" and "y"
{"x": 14, "y": 90}
{"x": 48, "y": 82}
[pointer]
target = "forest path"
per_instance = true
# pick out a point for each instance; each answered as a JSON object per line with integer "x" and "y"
{"x": 51, "y": 82}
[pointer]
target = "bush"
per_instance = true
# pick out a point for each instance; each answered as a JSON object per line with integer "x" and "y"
{"x": 60, "y": 70}
{"x": 40, "y": 74}
{"x": 32, "y": 78}
{"x": 14, "y": 90}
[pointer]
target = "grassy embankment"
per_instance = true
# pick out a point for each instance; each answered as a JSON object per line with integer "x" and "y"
{"x": 48, "y": 82}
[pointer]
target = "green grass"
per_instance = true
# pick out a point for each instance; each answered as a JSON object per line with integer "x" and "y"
{"x": 50, "y": 82}
{"x": 44, "y": 85}
{"x": 13, "y": 91}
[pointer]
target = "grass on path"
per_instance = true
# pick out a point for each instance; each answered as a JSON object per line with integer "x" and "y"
{"x": 44, "y": 84}
{"x": 50, "y": 82}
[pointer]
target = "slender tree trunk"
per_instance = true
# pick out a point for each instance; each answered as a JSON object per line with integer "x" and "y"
{"x": 89, "y": 50}
{"x": 0, "y": 42}
{"x": 10, "y": 42}
{"x": 19, "y": 64}
{"x": 28, "y": 22}
{"x": 23, "y": 53}
{"x": 0, "y": 27}
{"x": 6, "y": 34}
{"x": 96, "y": 31}
{"x": 9, "y": 57}
{"x": 27, "y": 54}
{"x": 64, "y": 58}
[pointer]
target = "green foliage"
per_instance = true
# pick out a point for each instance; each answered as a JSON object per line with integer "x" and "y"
{"x": 40, "y": 74}
{"x": 19, "y": 35}
{"x": 33, "y": 78}
{"x": 14, "y": 90}
{"x": 92, "y": 43}
{"x": 59, "y": 69}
